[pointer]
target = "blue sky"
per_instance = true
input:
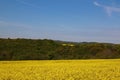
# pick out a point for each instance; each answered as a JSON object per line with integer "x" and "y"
{"x": 67, "y": 20}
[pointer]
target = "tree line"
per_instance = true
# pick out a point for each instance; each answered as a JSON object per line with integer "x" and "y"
{"x": 45, "y": 49}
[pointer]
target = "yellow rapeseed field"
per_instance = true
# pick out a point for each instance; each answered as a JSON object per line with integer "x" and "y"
{"x": 61, "y": 70}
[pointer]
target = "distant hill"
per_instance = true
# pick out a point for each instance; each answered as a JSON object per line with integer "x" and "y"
{"x": 44, "y": 49}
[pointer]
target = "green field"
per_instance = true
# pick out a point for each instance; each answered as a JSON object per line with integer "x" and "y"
{"x": 61, "y": 70}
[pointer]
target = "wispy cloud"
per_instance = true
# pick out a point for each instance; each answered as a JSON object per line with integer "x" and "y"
{"x": 27, "y": 3}
{"x": 109, "y": 9}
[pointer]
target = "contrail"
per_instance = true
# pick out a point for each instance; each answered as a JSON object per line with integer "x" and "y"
{"x": 108, "y": 9}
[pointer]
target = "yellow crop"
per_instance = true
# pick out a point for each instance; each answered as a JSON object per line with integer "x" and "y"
{"x": 60, "y": 70}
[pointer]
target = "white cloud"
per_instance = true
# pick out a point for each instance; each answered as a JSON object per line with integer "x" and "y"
{"x": 109, "y": 9}
{"x": 28, "y": 4}
{"x": 97, "y": 4}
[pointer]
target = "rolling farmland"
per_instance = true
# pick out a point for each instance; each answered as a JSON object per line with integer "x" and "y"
{"x": 104, "y": 69}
